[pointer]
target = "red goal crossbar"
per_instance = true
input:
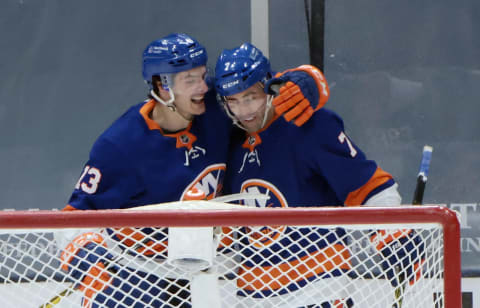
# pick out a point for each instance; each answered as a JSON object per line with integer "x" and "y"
{"x": 258, "y": 217}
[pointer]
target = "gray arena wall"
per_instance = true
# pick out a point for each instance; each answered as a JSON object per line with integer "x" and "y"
{"x": 402, "y": 74}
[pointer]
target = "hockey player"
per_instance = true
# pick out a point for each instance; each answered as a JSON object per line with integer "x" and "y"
{"x": 313, "y": 165}
{"x": 154, "y": 153}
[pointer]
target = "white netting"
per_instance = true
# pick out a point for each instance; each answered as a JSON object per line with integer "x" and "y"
{"x": 224, "y": 266}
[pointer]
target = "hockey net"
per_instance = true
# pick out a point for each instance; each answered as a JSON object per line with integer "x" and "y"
{"x": 206, "y": 254}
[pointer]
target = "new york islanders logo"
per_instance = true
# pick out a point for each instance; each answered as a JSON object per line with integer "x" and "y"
{"x": 261, "y": 237}
{"x": 210, "y": 181}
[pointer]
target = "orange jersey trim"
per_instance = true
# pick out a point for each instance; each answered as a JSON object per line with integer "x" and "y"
{"x": 248, "y": 144}
{"x": 133, "y": 236}
{"x": 256, "y": 135}
{"x": 180, "y": 136}
{"x": 275, "y": 277}
{"x": 383, "y": 237}
{"x": 357, "y": 197}
{"x": 79, "y": 242}
{"x": 145, "y": 111}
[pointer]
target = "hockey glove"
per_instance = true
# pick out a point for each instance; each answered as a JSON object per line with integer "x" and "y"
{"x": 299, "y": 92}
{"x": 85, "y": 259}
{"x": 403, "y": 255}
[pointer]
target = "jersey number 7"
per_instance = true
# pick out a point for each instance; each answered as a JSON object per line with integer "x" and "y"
{"x": 343, "y": 138}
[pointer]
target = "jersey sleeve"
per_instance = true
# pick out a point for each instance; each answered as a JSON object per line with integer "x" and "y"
{"x": 335, "y": 157}
{"x": 108, "y": 180}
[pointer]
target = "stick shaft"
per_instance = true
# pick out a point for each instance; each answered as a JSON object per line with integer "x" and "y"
{"x": 422, "y": 175}
{"x": 417, "y": 200}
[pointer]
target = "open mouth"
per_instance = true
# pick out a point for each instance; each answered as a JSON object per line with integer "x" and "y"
{"x": 248, "y": 119}
{"x": 198, "y": 99}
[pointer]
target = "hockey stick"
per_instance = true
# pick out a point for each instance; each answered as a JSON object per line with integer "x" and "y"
{"x": 56, "y": 299}
{"x": 223, "y": 199}
{"x": 417, "y": 200}
{"x": 422, "y": 175}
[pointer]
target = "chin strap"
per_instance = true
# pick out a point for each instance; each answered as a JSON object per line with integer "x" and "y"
{"x": 268, "y": 105}
{"x": 267, "y": 109}
{"x": 169, "y": 104}
{"x": 232, "y": 116}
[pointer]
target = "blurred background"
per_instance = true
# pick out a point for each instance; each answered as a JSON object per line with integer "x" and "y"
{"x": 402, "y": 74}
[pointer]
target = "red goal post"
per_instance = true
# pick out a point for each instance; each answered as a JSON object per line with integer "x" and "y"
{"x": 31, "y": 272}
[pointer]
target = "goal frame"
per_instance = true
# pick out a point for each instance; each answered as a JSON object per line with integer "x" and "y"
{"x": 436, "y": 214}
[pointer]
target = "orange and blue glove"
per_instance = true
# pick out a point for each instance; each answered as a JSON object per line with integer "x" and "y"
{"x": 302, "y": 91}
{"x": 85, "y": 259}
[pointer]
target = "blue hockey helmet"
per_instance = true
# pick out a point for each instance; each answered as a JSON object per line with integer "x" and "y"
{"x": 172, "y": 54}
{"x": 240, "y": 68}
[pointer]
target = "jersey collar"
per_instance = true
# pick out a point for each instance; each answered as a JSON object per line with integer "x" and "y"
{"x": 184, "y": 137}
{"x": 253, "y": 139}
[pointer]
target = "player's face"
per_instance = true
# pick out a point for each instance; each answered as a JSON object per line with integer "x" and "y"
{"x": 189, "y": 88}
{"x": 249, "y": 107}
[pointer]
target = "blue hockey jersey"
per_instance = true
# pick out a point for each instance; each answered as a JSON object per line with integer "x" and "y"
{"x": 309, "y": 166}
{"x": 135, "y": 163}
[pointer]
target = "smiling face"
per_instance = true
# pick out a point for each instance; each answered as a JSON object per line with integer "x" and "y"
{"x": 249, "y": 107}
{"x": 189, "y": 88}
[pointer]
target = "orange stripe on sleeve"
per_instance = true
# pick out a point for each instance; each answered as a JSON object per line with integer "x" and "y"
{"x": 131, "y": 237}
{"x": 275, "y": 277}
{"x": 384, "y": 237}
{"x": 69, "y": 208}
{"x": 358, "y": 196}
